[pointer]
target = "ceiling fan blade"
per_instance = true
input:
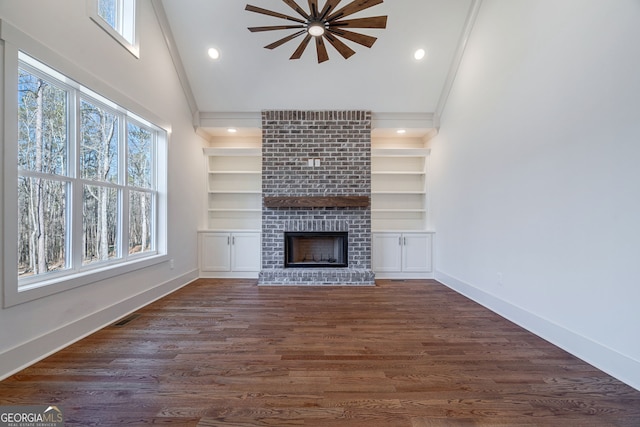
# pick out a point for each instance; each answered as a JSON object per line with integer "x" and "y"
{"x": 354, "y": 7}
{"x": 274, "y": 27}
{"x": 313, "y": 8}
{"x": 328, "y": 7}
{"x": 284, "y": 40}
{"x": 363, "y": 39}
{"x": 293, "y": 5}
{"x": 323, "y": 55}
{"x": 344, "y": 50}
{"x": 298, "y": 52}
{"x": 272, "y": 13}
{"x": 373, "y": 22}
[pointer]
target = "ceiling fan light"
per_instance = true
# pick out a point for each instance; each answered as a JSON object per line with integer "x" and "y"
{"x": 316, "y": 30}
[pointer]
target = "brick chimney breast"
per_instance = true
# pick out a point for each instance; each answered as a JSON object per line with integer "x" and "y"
{"x": 316, "y": 154}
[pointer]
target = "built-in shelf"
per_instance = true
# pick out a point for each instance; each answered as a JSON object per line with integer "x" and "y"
{"x": 234, "y": 188}
{"x": 400, "y": 152}
{"x": 398, "y": 172}
{"x": 398, "y": 210}
{"x": 234, "y": 210}
{"x": 398, "y": 186}
{"x": 235, "y": 192}
{"x": 235, "y": 172}
{"x": 398, "y": 192}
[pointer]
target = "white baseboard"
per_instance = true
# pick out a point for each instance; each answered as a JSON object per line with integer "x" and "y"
{"x": 403, "y": 276}
{"x": 24, "y": 355}
{"x": 229, "y": 274}
{"x": 606, "y": 359}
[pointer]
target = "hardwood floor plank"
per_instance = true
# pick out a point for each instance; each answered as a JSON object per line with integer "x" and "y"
{"x": 409, "y": 353}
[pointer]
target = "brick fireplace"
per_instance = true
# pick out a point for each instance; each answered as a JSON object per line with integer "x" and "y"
{"x": 316, "y": 180}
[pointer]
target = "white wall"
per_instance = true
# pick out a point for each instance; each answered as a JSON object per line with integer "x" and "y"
{"x": 536, "y": 174}
{"x": 32, "y": 330}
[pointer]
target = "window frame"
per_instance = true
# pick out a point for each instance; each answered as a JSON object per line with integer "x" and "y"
{"x": 126, "y": 22}
{"x": 17, "y": 292}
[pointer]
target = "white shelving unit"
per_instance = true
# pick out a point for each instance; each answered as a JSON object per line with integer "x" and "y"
{"x": 229, "y": 243}
{"x": 399, "y": 189}
{"x": 234, "y": 188}
{"x": 401, "y": 239}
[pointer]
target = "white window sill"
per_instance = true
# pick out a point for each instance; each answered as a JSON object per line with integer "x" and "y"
{"x": 43, "y": 288}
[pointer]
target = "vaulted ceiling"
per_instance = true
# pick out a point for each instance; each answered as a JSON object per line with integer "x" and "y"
{"x": 247, "y": 78}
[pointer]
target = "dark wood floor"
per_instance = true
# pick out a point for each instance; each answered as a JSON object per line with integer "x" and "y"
{"x": 227, "y": 353}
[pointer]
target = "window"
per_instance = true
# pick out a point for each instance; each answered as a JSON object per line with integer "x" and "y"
{"x": 118, "y": 19}
{"x": 89, "y": 195}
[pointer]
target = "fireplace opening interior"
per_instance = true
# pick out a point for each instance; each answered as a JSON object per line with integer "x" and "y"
{"x": 316, "y": 250}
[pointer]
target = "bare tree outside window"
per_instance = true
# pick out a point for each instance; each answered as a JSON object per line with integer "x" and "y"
{"x": 99, "y": 146}
{"x": 108, "y": 10}
{"x": 99, "y": 224}
{"x": 99, "y": 162}
{"x": 139, "y": 175}
{"x": 87, "y": 178}
{"x": 42, "y": 152}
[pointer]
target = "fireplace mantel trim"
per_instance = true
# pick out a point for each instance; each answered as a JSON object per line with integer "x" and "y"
{"x": 318, "y": 202}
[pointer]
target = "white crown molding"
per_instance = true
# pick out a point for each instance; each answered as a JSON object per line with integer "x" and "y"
{"x": 253, "y": 120}
{"x": 213, "y": 123}
{"x": 202, "y": 134}
{"x": 175, "y": 57}
{"x": 457, "y": 59}
{"x": 225, "y": 119}
{"x": 403, "y": 120}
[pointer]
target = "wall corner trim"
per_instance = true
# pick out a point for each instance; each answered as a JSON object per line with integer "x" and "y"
{"x": 474, "y": 8}
{"x": 174, "y": 53}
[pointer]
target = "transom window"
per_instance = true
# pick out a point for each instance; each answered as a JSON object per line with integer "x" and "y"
{"x": 118, "y": 18}
{"x": 87, "y": 179}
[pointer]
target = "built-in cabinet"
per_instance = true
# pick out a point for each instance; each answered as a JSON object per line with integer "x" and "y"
{"x": 229, "y": 242}
{"x": 232, "y": 254}
{"x": 401, "y": 240}
{"x": 402, "y": 255}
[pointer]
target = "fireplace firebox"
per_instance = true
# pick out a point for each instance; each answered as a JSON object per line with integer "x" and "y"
{"x": 316, "y": 249}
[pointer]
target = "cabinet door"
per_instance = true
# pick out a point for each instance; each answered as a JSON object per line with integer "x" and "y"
{"x": 215, "y": 253}
{"x": 416, "y": 252}
{"x": 245, "y": 249}
{"x": 386, "y": 252}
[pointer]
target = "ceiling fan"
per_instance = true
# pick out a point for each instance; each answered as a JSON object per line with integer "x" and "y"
{"x": 326, "y": 23}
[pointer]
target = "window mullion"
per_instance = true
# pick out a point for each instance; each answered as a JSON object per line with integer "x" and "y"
{"x": 154, "y": 194}
{"x": 124, "y": 194}
{"x": 76, "y": 220}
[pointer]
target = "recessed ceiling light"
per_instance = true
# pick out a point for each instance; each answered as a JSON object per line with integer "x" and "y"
{"x": 401, "y": 131}
{"x": 213, "y": 53}
{"x": 419, "y": 54}
{"x": 232, "y": 130}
